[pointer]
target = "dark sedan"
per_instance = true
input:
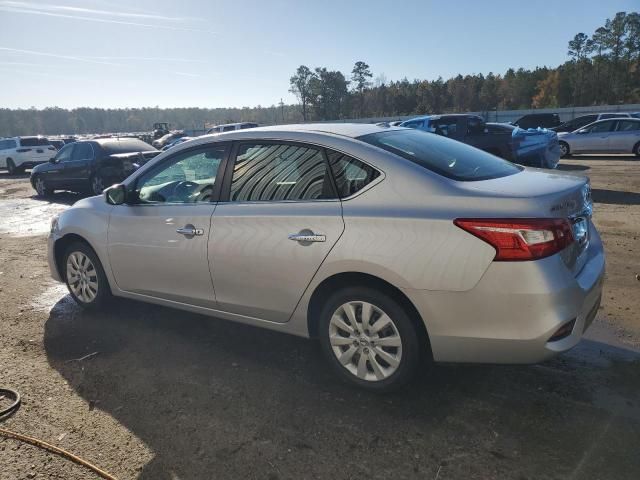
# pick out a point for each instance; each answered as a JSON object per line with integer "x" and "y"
{"x": 91, "y": 165}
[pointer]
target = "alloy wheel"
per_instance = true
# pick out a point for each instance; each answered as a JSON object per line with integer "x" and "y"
{"x": 82, "y": 277}
{"x": 365, "y": 340}
{"x": 563, "y": 149}
{"x": 40, "y": 187}
{"x": 97, "y": 185}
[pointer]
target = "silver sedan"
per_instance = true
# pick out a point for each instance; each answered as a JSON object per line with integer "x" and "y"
{"x": 387, "y": 244}
{"x": 621, "y": 135}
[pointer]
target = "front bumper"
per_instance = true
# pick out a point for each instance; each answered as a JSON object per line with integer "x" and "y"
{"x": 51, "y": 256}
{"x": 513, "y": 311}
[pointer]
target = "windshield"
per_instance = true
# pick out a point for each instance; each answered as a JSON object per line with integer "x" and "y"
{"x": 443, "y": 156}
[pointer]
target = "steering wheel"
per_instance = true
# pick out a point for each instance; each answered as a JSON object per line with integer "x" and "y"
{"x": 184, "y": 188}
{"x": 204, "y": 195}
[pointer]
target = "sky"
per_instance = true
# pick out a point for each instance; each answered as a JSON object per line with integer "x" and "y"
{"x": 218, "y": 53}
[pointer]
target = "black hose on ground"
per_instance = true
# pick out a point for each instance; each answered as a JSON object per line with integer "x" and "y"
{"x": 7, "y": 392}
{"x": 11, "y": 409}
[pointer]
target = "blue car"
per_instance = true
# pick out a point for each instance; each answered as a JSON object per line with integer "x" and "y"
{"x": 534, "y": 147}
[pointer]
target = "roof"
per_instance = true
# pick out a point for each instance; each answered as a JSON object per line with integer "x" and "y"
{"x": 352, "y": 130}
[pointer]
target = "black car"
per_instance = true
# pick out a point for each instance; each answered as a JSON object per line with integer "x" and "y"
{"x": 91, "y": 165}
{"x": 535, "y": 120}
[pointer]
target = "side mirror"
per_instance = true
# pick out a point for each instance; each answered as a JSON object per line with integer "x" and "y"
{"x": 52, "y": 160}
{"x": 116, "y": 194}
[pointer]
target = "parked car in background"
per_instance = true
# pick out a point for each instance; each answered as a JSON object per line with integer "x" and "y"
{"x": 19, "y": 153}
{"x": 538, "y": 120}
{"x": 57, "y": 143}
{"x": 584, "y": 120}
{"x": 620, "y": 135}
{"x": 168, "y": 138}
{"x": 535, "y": 148}
{"x": 228, "y": 127}
{"x": 91, "y": 165}
{"x": 278, "y": 242}
{"x": 177, "y": 141}
{"x": 635, "y": 114}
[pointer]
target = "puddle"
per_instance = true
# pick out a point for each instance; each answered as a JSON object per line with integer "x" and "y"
{"x": 26, "y": 217}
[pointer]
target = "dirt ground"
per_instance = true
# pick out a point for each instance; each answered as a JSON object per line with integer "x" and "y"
{"x": 172, "y": 395}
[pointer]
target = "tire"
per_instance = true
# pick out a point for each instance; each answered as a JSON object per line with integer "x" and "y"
{"x": 365, "y": 362}
{"x": 41, "y": 187}
{"x": 636, "y": 149}
{"x": 565, "y": 151}
{"x": 91, "y": 290}
{"x": 11, "y": 167}
{"x": 97, "y": 184}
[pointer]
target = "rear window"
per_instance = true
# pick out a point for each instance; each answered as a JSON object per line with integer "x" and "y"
{"x": 125, "y": 146}
{"x": 34, "y": 142}
{"x": 443, "y": 156}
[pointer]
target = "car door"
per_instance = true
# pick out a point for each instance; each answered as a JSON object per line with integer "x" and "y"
{"x": 77, "y": 169}
{"x": 593, "y": 139}
{"x": 280, "y": 219}
{"x": 53, "y": 173}
{"x": 625, "y": 136}
{"x": 157, "y": 242}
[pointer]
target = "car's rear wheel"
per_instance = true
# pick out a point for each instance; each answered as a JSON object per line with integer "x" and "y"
{"x": 41, "y": 187}
{"x": 85, "y": 277}
{"x": 636, "y": 149}
{"x": 565, "y": 151}
{"x": 369, "y": 339}
{"x": 97, "y": 184}
{"x": 11, "y": 167}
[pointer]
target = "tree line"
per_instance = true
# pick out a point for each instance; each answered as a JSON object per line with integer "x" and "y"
{"x": 601, "y": 68}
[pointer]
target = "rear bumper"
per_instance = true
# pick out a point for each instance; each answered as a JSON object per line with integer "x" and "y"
{"x": 511, "y": 314}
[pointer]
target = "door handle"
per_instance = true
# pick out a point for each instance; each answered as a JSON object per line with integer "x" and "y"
{"x": 307, "y": 236}
{"x": 190, "y": 231}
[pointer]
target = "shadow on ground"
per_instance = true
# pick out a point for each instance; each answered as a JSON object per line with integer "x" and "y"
{"x": 566, "y": 167}
{"x": 214, "y": 399}
{"x": 615, "y": 197}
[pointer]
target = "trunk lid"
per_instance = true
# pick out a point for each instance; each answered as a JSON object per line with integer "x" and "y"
{"x": 554, "y": 196}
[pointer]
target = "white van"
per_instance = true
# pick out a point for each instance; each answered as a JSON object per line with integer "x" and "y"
{"x": 227, "y": 127}
{"x": 20, "y": 153}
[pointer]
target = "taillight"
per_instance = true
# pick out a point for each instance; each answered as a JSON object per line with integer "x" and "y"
{"x": 517, "y": 239}
{"x": 22, "y": 150}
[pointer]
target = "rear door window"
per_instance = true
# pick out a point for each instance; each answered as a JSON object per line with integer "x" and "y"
{"x": 34, "y": 142}
{"x": 628, "y": 126}
{"x": 83, "y": 151}
{"x": 268, "y": 172}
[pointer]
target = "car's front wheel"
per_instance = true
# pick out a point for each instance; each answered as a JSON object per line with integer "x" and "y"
{"x": 85, "y": 277}
{"x": 97, "y": 184}
{"x": 564, "y": 150}
{"x": 369, "y": 339}
{"x": 636, "y": 149}
{"x": 41, "y": 187}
